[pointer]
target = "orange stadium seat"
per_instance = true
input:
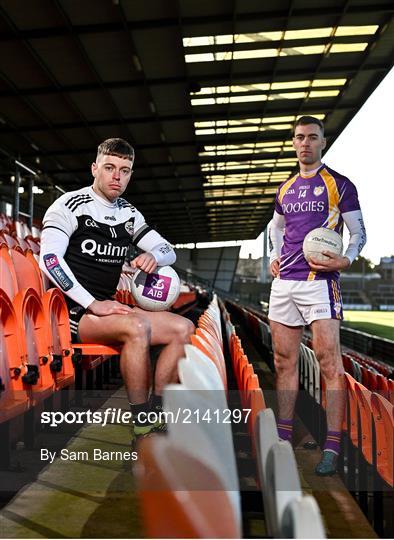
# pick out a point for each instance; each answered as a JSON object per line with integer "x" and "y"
{"x": 247, "y": 372}
{"x": 351, "y": 419}
{"x": 213, "y": 341}
{"x": 33, "y": 245}
{"x": 256, "y": 403}
{"x": 382, "y": 386}
{"x": 56, "y": 317}
{"x": 89, "y": 355}
{"x": 209, "y": 325}
{"x": 241, "y": 363}
{"x": 209, "y": 351}
{"x": 44, "y": 282}
{"x": 60, "y": 344}
{"x": 13, "y": 396}
{"x": 390, "y": 384}
{"x": 35, "y": 374}
{"x": 365, "y": 415}
{"x": 383, "y": 416}
{"x": 177, "y": 503}
{"x": 185, "y": 299}
{"x": 10, "y": 241}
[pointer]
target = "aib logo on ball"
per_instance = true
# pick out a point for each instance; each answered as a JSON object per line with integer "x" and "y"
{"x": 157, "y": 287}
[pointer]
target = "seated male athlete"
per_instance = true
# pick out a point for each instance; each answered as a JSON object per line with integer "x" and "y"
{"x": 85, "y": 238}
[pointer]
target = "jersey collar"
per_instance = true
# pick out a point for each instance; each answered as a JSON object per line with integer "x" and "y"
{"x": 313, "y": 173}
{"x": 101, "y": 200}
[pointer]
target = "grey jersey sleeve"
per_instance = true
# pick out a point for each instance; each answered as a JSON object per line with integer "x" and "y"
{"x": 276, "y": 234}
{"x": 152, "y": 242}
{"x": 358, "y": 235}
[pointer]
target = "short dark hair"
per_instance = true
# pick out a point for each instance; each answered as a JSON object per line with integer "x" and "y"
{"x": 306, "y": 120}
{"x": 116, "y": 147}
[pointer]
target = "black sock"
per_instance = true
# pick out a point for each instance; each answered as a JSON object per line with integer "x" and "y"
{"x": 156, "y": 402}
{"x": 136, "y": 409}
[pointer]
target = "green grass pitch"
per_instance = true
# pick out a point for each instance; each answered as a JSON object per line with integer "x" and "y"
{"x": 379, "y": 323}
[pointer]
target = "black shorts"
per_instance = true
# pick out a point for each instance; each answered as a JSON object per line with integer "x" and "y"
{"x": 76, "y": 312}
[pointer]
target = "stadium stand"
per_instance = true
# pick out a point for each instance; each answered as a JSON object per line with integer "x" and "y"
{"x": 368, "y": 430}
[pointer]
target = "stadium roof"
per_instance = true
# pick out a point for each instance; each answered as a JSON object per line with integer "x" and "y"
{"x": 206, "y": 92}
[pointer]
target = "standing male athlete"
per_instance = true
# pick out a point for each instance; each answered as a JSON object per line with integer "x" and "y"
{"x": 309, "y": 294}
{"x": 85, "y": 238}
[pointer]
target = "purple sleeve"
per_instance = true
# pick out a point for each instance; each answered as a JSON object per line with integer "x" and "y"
{"x": 278, "y": 206}
{"x": 348, "y": 198}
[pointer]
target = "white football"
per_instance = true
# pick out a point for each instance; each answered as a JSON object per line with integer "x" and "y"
{"x": 156, "y": 291}
{"x": 319, "y": 240}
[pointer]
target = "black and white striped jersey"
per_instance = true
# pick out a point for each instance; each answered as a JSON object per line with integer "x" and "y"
{"x": 85, "y": 240}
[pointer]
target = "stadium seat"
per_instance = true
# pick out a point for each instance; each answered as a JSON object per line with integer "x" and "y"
{"x": 266, "y": 435}
{"x": 390, "y": 384}
{"x": 13, "y": 396}
{"x": 382, "y": 386}
{"x": 205, "y": 365}
{"x": 356, "y": 370}
{"x": 282, "y": 483}
{"x": 209, "y": 442}
{"x": 302, "y": 367}
{"x": 383, "y": 416}
{"x": 213, "y": 341}
{"x": 214, "y": 311}
{"x": 25, "y": 271}
{"x": 34, "y": 339}
{"x": 302, "y": 519}
{"x": 256, "y": 403}
{"x": 265, "y": 334}
{"x": 10, "y": 241}
{"x": 61, "y": 348}
{"x": 186, "y": 301}
{"x": 34, "y": 246}
{"x": 196, "y": 377}
{"x": 209, "y": 326}
{"x": 178, "y": 504}
{"x": 209, "y": 351}
{"x": 229, "y": 331}
{"x": 351, "y": 416}
{"x": 56, "y": 317}
{"x": 365, "y": 415}
{"x": 312, "y": 375}
{"x": 56, "y": 326}
{"x": 253, "y": 325}
{"x": 241, "y": 363}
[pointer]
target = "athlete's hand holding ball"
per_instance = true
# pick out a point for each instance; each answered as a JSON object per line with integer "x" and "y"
{"x": 333, "y": 263}
{"x": 145, "y": 262}
{"x": 321, "y": 259}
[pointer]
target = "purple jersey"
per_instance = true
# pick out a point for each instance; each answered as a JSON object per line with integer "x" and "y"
{"x": 308, "y": 202}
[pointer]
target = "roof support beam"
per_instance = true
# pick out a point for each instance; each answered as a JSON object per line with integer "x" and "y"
{"x": 368, "y": 11}
{"x": 218, "y": 115}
